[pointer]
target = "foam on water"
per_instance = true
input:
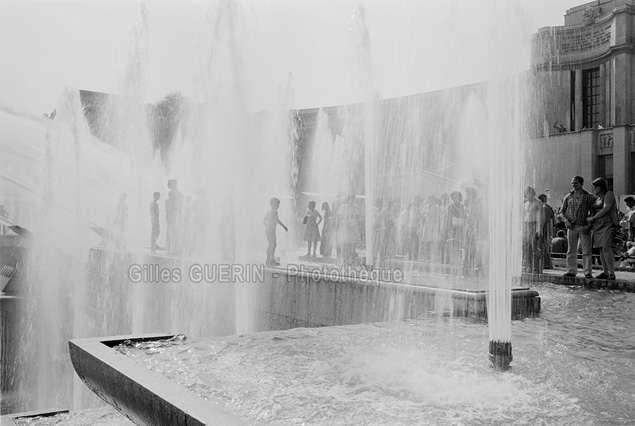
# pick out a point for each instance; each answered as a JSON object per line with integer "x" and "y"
{"x": 401, "y": 374}
{"x": 422, "y": 372}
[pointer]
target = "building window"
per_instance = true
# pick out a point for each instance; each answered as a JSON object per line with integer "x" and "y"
{"x": 605, "y": 169}
{"x": 572, "y": 123}
{"x": 591, "y": 98}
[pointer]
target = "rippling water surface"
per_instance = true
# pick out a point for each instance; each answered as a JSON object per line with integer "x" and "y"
{"x": 572, "y": 366}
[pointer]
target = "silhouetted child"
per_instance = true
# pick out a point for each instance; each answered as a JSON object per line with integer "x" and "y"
{"x": 311, "y": 232}
{"x": 271, "y": 221}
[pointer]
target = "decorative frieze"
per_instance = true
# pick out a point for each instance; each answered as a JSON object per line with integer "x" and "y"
{"x": 560, "y": 45}
{"x": 606, "y": 141}
{"x": 590, "y": 14}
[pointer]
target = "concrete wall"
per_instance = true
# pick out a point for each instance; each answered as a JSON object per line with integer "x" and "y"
{"x": 117, "y": 305}
{"x": 550, "y": 101}
{"x": 279, "y": 300}
{"x": 552, "y": 161}
{"x": 284, "y": 302}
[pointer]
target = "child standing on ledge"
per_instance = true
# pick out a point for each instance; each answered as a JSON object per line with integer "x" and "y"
{"x": 271, "y": 221}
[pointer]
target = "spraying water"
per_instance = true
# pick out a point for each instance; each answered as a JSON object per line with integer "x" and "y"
{"x": 230, "y": 162}
{"x": 441, "y": 172}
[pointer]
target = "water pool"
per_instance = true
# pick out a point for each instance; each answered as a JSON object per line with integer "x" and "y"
{"x": 572, "y": 366}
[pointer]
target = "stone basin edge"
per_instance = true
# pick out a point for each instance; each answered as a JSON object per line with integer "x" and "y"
{"x": 146, "y": 398}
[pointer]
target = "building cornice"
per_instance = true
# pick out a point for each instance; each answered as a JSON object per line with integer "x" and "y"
{"x": 587, "y": 63}
{"x": 582, "y": 45}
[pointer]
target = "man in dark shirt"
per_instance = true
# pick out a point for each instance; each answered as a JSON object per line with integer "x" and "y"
{"x": 576, "y": 207}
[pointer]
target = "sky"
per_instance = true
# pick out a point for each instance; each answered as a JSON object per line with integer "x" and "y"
{"x": 303, "y": 51}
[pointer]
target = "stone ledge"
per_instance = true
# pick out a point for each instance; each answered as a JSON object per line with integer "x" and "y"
{"x": 590, "y": 283}
{"x": 9, "y": 419}
{"x": 141, "y": 395}
{"x": 298, "y": 301}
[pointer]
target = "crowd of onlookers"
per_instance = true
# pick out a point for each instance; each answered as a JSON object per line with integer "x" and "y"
{"x": 187, "y": 221}
{"x": 586, "y": 224}
{"x": 452, "y": 230}
{"x": 446, "y": 229}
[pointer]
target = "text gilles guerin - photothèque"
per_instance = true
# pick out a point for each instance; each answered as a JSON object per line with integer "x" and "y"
{"x": 154, "y": 273}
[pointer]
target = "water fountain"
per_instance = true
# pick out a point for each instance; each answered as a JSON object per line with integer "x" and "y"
{"x": 231, "y": 166}
{"x": 66, "y": 188}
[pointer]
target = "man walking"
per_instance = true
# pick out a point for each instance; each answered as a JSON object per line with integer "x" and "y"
{"x": 576, "y": 207}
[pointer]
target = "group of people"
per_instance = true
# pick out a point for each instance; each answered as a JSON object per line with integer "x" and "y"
{"x": 446, "y": 229}
{"x": 452, "y": 231}
{"x": 340, "y": 225}
{"x": 187, "y": 221}
{"x": 592, "y": 222}
{"x": 442, "y": 229}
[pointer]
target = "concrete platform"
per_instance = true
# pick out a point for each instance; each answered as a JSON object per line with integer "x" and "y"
{"x": 309, "y": 294}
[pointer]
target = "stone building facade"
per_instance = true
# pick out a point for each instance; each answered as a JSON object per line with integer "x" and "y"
{"x": 583, "y": 114}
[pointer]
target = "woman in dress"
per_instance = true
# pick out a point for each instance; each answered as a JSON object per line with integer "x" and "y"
{"x": 605, "y": 216}
{"x": 311, "y": 231}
